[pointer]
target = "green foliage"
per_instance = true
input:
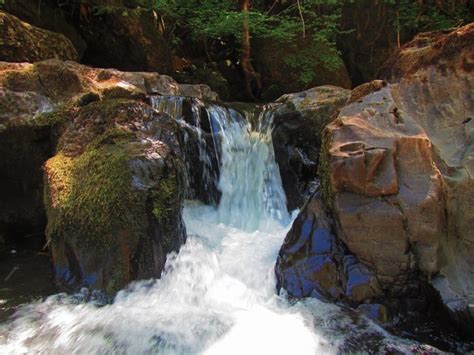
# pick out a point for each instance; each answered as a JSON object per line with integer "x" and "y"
{"x": 412, "y": 17}
{"x": 211, "y": 21}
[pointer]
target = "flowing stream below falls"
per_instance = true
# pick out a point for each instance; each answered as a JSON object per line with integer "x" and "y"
{"x": 218, "y": 294}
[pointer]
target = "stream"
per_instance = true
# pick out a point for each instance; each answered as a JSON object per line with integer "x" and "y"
{"x": 217, "y": 295}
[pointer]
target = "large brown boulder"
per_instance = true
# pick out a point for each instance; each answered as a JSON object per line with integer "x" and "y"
{"x": 22, "y": 42}
{"x": 396, "y": 169}
{"x": 398, "y": 164}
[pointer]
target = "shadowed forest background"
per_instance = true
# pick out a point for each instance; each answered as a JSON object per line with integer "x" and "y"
{"x": 244, "y": 50}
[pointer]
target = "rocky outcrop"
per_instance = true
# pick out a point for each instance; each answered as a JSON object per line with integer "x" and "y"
{"x": 396, "y": 171}
{"x": 94, "y": 119}
{"x": 122, "y": 35}
{"x": 114, "y": 194}
{"x": 22, "y": 42}
{"x": 106, "y": 33}
{"x": 446, "y": 50}
{"x": 298, "y": 121}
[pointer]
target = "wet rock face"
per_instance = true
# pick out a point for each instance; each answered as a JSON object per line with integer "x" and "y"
{"x": 386, "y": 191}
{"x": 314, "y": 263}
{"x": 22, "y": 42}
{"x": 298, "y": 122}
{"x": 397, "y": 167}
{"x": 114, "y": 196}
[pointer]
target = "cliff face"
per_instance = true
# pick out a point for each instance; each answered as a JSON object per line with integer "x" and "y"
{"x": 396, "y": 170}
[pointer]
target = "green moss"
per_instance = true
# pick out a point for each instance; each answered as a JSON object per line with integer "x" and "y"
{"x": 166, "y": 204}
{"x": 51, "y": 119}
{"x": 93, "y": 193}
{"x": 163, "y": 202}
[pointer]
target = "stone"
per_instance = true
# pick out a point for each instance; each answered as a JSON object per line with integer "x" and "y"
{"x": 314, "y": 263}
{"x": 396, "y": 171}
{"x": 376, "y": 312}
{"x": 129, "y": 39}
{"x": 114, "y": 196}
{"x": 37, "y": 102}
{"x": 22, "y": 42}
{"x": 298, "y": 120}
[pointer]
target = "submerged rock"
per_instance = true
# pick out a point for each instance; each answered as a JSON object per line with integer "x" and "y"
{"x": 22, "y": 42}
{"x": 114, "y": 194}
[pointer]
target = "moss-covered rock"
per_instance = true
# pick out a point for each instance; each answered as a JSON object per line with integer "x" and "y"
{"x": 113, "y": 196}
{"x": 37, "y": 103}
{"x": 22, "y": 42}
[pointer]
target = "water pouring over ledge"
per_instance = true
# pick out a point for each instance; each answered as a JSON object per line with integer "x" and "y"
{"x": 218, "y": 294}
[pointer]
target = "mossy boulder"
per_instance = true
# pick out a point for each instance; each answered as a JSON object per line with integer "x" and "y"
{"x": 114, "y": 195}
{"x": 37, "y": 103}
{"x": 22, "y": 42}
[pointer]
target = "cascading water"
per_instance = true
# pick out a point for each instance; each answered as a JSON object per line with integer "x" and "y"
{"x": 218, "y": 294}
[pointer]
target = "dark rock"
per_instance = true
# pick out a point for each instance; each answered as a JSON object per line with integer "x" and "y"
{"x": 314, "y": 263}
{"x": 48, "y": 15}
{"x": 298, "y": 122}
{"x": 114, "y": 196}
{"x": 123, "y": 38}
{"x": 376, "y": 312}
{"x": 22, "y": 42}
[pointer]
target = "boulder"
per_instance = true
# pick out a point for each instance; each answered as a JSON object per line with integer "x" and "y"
{"x": 22, "y": 42}
{"x": 33, "y": 98}
{"x": 114, "y": 195}
{"x": 48, "y": 15}
{"x": 298, "y": 121}
{"x": 122, "y": 35}
{"x": 395, "y": 169}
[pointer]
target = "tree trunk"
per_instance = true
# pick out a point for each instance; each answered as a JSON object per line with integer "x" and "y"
{"x": 249, "y": 71}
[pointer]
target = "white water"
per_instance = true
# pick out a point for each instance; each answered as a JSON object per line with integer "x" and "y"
{"x": 217, "y": 295}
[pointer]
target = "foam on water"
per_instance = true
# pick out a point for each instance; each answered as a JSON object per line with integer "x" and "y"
{"x": 218, "y": 294}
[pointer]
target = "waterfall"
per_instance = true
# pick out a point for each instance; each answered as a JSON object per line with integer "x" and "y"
{"x": 249, "y": 179}
{"x": 217, "y": 295}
